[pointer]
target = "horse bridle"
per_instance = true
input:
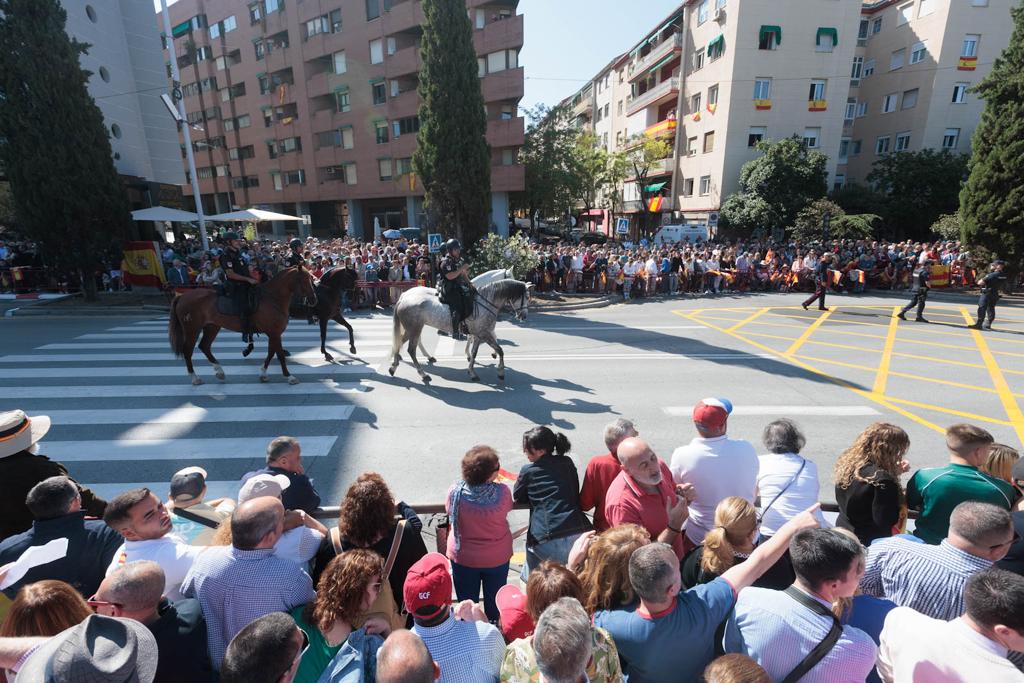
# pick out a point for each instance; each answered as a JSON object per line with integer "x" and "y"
{"x": 489, "y": 306}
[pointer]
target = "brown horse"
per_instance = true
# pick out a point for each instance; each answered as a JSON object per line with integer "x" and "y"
{"x": 196, "y": 311}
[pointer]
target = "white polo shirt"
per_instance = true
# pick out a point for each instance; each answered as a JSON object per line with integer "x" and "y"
{"x": 170, "y": 551}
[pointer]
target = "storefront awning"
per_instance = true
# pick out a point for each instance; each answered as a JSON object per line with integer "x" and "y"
{"x": 765, "y": 30}
{"x": 654, "y": 187}
{"x": 826, "y": 31}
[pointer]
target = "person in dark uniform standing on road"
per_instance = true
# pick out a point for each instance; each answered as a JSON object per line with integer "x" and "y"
{"x": 295, "y": 257}
{"x": 240, "y": 282}
{"x": 991, "y": 287}
{"x": 456, "y": 288}
{"x": 920, "y": 289}
{"x": 821, "y": 277}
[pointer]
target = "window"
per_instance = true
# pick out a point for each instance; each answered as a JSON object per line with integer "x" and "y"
{"x": 909, "y": 99}
{"x": 902, "y": 142}
{"x": 702, "y": 12}
{"x": 597, "y": 116}
{"x": 508, "y": 112}
{"x": 316, "y": 26}
{"x": 406, "y": 126}
{"x": 862, "y": 31}
{"x": 372, "y": 9}
{"x": 876, "y": 26}
{"x": 712, "y": 96}
{"x": 897, "y": 59}
{"x": 376, "y": 51}
{"x": 882, "y": 144}
{"x": 618, "y": 107}
{"x": 347, "y": 138}
{"x": 501, "y": 60}
{"x": 970, "y": 47}
{"x": 698, "y": 59}
{"x": 204, "y": 53}
{"x": 295, "y": 177}
{"x": 756, "y": 134}
{"x": 384, "y": 166}
{"x": 238, "y": 122}
{"x": 862, "y": 109}
{"x": 769, "y": 38}
{"x": 403, "y": 166}
{"x": 812, "y": 138}
{"x": 855, "y": 147}
{"x": 856, "y": 70}
{"x": 481, "y": 67}
{"x": 960, "y": 93}
{"x": 606, "y": 109}
{"x": 237, "y": 90}
{"x": 341, "y": 101}
{"x": 889, "y": 103}
{"x": 716, "y": 48}
{"x": 380, "y": 95}
{"x": 275, "y": 177}
{"x": 221, "y": 27}
{"x": 906, "y": 13}
{"x": 695, "y": 103}
{"x": 925, "y": 8}
{"x": 688, "y": 187}
{"x": 851, "y": 109}
{"x": 950, "y": 138}
{"x": 705, "y": 185}
{"x": 838, "y": 181}
{"x": 340, "y": 65}
{"x": 709, "y": 142}
{"x": 380, "y": 129}
{"x": 979, "y": 3}
{"x": 247, "y": 181}
{"x": 844, "y": 150}
{"x": 762, "y": 89}
{"x": 869, "y": 67}
{"x": 826, "y": 40}
{"x": 271, "y": 6}
{"x": 691, "y": 146}
{"x": 918, "y": 52}
{"x": 816, "y": 91}
{"x": 508, "y": 157}
{"x": 289, "y": 145}
{"x": 350, "y": 173}
{"x": 335, "y": 20}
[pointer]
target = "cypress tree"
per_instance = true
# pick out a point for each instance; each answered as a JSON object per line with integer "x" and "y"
{"x": 452, "y": 157}
{"x": 54, "y": 146}
{"x": 992, "y": 201}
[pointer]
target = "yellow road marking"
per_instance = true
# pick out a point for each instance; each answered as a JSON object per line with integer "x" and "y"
{"x": 844, "y": 321}
{"x": 748, "y": 319}
{"x": 838, "y": 362}
{"x": 811, "y": 341}
{"x": 961, "y": 348}
{"x": 998, "y": 381}
{"x": 807, "y": 333}
{"x": 949, "y": 383}
{"x": 883, "y": 365}
{"x": 950, "y": 411}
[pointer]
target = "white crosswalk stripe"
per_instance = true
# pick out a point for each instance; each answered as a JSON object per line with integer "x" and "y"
{"x": 124, "y": 413}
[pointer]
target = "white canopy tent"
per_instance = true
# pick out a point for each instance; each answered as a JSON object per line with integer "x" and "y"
{"x": 163, "y": 213}
{"x": 252, "y": 216}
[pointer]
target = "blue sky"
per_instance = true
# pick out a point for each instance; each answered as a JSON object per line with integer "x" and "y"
{"x": 567, "y": 41}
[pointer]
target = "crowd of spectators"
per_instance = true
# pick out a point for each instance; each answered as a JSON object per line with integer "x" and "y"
{"x": 715, "y": 565}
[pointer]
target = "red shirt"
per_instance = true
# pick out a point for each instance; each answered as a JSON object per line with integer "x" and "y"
{"x": 601, "y": 472}
{"x": 627, "y": 503}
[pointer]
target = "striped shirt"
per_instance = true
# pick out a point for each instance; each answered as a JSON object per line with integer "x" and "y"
{"x": 466, "y": 651}
{"x": 927, "y": 578}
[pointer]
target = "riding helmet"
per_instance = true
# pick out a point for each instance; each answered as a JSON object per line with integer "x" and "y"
{"x": 296, "y": 243}
{"x": 452, "y": 245}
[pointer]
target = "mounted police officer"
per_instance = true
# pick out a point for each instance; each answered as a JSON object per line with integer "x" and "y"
{"x": 295, "y": 257}
{"x": 991, "y": 287}
{"x": 920, "y": 287}
{"x": 821, "y": 278}
{"x": 455, "y": 287}
{"x": 240, "y": 284}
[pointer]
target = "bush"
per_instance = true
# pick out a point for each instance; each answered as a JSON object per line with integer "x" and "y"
{"x": 495, "y": 251}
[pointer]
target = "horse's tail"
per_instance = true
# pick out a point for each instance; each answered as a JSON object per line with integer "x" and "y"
{"x": 396, "y": 335}
{"x": 175, "y": 330}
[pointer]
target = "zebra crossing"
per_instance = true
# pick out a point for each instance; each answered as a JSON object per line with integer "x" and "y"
{"x": 124, "y": 413}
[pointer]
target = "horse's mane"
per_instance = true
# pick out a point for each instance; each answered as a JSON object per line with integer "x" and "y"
{"x": 504, "y": 289}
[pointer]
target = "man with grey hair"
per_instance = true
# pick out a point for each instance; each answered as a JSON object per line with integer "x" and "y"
{"x": 284, "y": 456}
{"x": 56, "y": 507}
{"x": 404, "y": 658}
{"x": 602, "y": 470}
{"x": 135, "y": 591}
{"x": 563, "y": 642}
{"x": 931, "y": 578}
{"x": 238, "y": 584}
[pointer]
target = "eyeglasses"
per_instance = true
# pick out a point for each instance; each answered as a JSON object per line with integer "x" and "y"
{"x": 96, "y": 603}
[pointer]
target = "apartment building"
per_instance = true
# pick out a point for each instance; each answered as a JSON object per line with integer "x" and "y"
{"x": 915, "y": 64}
{"x": 127, "y": 78}
{"x": 310, "y": 106}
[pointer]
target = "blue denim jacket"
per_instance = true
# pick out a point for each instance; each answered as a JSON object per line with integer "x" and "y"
{"x": 356, "y": 661}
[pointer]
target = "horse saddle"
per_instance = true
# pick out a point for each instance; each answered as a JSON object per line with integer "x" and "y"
{"x": 229, "y": 305}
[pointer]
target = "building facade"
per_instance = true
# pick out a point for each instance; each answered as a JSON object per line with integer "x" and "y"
{"x": 310, "y": 108}
{"x": 127, "y": 79}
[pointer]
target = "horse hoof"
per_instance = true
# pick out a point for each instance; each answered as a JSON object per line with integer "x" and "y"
{"x": 431, "y": 360}
{"x": 246, "y": 351}
{"x": 426, "y": 379}
{"x": 328, "y": 357}
{"x": 196, "y": 381}
{"x": 293, "y": 380}
{"x": 501, "y": 377}
{"x": 352, "y": 350}
{"x": 220, "y": 376}
{"x": 263, "y": 378}
{"x": 391, "y": 371}
{"x": 494, "y": 355}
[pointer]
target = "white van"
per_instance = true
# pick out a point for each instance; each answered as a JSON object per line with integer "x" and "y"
{"x": 693, "y": 232}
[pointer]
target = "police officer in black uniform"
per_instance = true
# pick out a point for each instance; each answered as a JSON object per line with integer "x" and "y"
{"x": 240, "y": 282}
{"x": 991, "y": 287}
{"x": 821, "y": 277}
{"x": 920, "y": 289}
{"x": 455, "y": 288}
{"x": 295, "y": 257}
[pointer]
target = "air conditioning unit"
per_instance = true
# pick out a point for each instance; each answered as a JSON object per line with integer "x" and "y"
{"x": 719, "y": 14}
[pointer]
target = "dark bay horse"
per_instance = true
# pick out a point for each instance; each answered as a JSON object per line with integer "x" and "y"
{"x": 328, "y": 305}
{"x": 196, "y": 311}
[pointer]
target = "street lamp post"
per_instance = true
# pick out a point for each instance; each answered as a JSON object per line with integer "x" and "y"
{"x": 183, "y": 124}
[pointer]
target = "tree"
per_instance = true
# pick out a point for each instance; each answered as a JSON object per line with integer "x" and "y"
{"x": 809, "y": 223}
{"x": 992, "y": 201}
{"x": 857, "y": 198}
{"x": 776, "y": 186}
{"x": 452, "y": 157}
{"x": 640, "y": 157}
{"x": 547, "y": 154}
{"x": 949, "y": 226}
{"x": 495, "y": 251}
{"x": 590, "y": 170}
{"x": 918, "y": 188}
{"x": 56, "y": 150}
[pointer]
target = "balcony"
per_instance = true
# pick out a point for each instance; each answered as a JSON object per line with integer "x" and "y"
{"x": 666, "y": 48}
{"x": 662, "y": 167}
{"x": 403, "y": 16}
{"x": 404, "y": 104}
{"x": 503, "y": 34}
{"x": 506, "y": 132}
{"x": 584, "y": 107}
{"x": 403, "y": 62}
{"x": 508, "y": 178}
{"x": 504, "y": 85}
{"x": 659, "y": 94}
{"x": 661, "y": 129}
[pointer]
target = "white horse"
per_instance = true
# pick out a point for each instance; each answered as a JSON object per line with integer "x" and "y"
{"x": 492, "y": 276}
{"x": 420, "y": 306}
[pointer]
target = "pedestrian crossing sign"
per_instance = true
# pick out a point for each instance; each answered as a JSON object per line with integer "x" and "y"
{"x": 434, "y": 242}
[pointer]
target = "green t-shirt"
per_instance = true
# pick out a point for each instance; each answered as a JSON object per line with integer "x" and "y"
{"x": 936, "y": 491}
{"x": 318, "y": 655}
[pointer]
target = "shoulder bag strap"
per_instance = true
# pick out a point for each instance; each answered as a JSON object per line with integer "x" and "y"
{"x": 336, "y": 540}
{"x": 784, "y": 489}
{"x": 826, "y": 644}
{"x": 393, "y": 555}
{"x": 193, "y": 517}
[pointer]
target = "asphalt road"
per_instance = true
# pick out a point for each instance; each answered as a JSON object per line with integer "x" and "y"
{"x": 125, "y": 414}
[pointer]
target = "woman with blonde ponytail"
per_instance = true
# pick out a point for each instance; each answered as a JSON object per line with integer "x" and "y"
{"x": 730, "y": 541}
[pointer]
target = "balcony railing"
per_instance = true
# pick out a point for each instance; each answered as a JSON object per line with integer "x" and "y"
{"x": 583, "y": 108}
{"x": 661, "y": 128}
{"x": 659, "y": 52}
{"x": 656, "y": 95}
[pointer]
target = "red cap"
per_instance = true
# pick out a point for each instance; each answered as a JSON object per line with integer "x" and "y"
{"x": 712, "y": 412}
{"x": 515, "y": 620}
{"x": 427, "y": 583}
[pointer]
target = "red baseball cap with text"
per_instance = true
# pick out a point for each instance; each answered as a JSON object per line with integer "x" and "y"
{"x": 712, "y": 412}
{"x": 515, "y": 620}
{"x": 428, "y": 583}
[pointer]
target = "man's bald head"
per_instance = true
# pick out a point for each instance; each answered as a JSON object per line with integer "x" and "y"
{"x": 640, "y": 461}
{"x": 255, "y": 521}
{"x": 403, "y": 658}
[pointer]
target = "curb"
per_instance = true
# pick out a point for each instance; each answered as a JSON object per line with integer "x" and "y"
{"x": 34, "y": 296}
{"x": 91, "y": 311}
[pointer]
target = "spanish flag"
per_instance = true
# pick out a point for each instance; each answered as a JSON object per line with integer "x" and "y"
{"x": 938, "y": 276}
{"x": 654, "y": 204}
{"x": 762, "y": 105}
{"x": 696, "y": 116}
{"x": 142, "y": 264}
{"x": 817, "y": 105}
{"x": 836, "y": 275}
{"x": 712, "y": 106}
{"x": 967, "y": 64}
